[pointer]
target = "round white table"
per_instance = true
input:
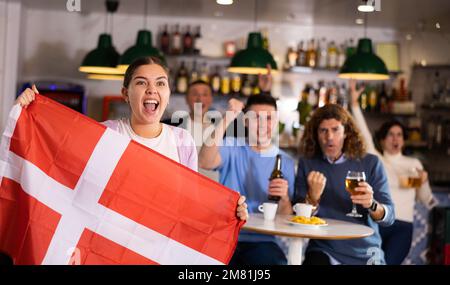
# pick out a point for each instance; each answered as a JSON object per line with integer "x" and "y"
{"x": 334, "y": 229}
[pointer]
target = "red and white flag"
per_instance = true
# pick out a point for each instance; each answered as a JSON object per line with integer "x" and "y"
{"x": 75, "y": 192}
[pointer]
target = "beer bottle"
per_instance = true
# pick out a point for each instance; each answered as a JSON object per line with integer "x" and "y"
{"x": 276, "y": 173}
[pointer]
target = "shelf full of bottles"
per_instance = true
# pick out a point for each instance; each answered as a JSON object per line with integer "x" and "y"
{"x": 183, "y": 51}
{"x": 222, "y": 83}
{"x": 377, "y": 101}
{"x": 318, "y": 55}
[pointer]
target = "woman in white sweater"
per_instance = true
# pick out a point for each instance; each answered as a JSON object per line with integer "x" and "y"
{"x": 391, "y": 137}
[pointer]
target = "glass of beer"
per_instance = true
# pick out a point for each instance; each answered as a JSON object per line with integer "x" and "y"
{"x": 351, "y": 182}
{"x": 411, "y": 179}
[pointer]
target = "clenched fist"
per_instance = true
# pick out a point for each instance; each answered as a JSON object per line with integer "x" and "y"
{"x": 316, "y": 184}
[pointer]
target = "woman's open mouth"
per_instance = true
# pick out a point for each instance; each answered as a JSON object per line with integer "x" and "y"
{"x": 151, "y": 106}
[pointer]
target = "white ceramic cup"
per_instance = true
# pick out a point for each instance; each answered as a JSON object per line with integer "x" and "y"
{"x": 302, "y": 209}
{"x": 269, "y": 210}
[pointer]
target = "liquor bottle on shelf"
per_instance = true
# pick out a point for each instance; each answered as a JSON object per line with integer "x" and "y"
{"x": 311, "y": 55}
{"x": 197, "y": 39}
{"x": 255, "y": 89}
{"x": 194, "y": 72}
{"x": 215, "y": 81}
{"x": 383, "y": 105}
{"x": 276, "y": 173}
{"x": 236, "y": 84}
{"x": 164, "y": 41}
{"x": 291, "y": 57}
{"x": 350, "y": 50}
{"x": 182, "y": 79}
{"x": 363, "y": 100}
{"x": 246, "y": 86}
{"x": 204, "y": 73}
{"x": 322, "y": 100}
{"x": 301, "y": 54}
{"x": 188, "y": 47}
{"x": 332, "y": 56}
{"x": 322, "y": 53}
{"x": 373, "y": 100}
{"x": 176, "y": 41}
{"x": 402, "y": 94}
{"x": 343, "y": 97}
{"x": 341, "y": 56}
{"x": 304, "y": 107}
{"x": 225, "y": 84}
{"x": 333, "y": 93}
{"x": 264, "y": 33}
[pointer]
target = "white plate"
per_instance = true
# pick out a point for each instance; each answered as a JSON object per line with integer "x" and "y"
{"x": 306, "y": 225}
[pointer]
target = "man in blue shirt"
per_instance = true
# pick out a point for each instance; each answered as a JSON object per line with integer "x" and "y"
{"x": 245, "y": 165}
{"x": 331, "y": 146}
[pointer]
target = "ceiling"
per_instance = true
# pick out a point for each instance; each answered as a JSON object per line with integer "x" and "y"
{"x": 407, "y": 15}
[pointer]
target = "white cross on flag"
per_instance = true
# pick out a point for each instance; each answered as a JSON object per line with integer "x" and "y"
{"x": 75, "y": 192}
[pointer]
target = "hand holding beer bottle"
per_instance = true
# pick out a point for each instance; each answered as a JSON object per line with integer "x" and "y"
{"x": 278, "y": 186}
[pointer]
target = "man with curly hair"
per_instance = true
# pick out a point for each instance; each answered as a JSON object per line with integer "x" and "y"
{"x": 331, "y": 146}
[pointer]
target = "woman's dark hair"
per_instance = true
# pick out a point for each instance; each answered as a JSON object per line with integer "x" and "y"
{"x": 139, "y": 62}
{"x": 383, "y": 131}
{"x": 260, "y": 100}
{"x": 354, "y": 146}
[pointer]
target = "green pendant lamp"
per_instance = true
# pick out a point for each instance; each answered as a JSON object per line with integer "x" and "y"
{"x": 142, "y": 48}
{"x": 255, "y": 58}
{"x": 103, "y": 59}
{"x": 364, "y": 64}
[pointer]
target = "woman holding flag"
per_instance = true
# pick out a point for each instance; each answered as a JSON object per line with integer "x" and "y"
{"x": 146, "y": 90}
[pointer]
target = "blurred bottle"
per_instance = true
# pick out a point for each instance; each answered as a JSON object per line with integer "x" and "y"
{"x": 311, "y": 54}
{"x": 373, "y": 100}
{"x": 341, "y": 55}
{"x": 291, "y": 57}
{"x": 402, "y": 94}
{"x": 215, "y": 81}
{"x": 343, "y": 97}
{"x": 322, "y": 53}
{"x": 363, "y": 100}
{"x": 204, "y": 74}
{"x": 256, "y": 90}
{"x": 332, "y": 55}
{"x": 236, "y": 84}
{"x": 165, "y": 41}
{"x": 188, "y": 41}
{"x": 351, "y": 49}
{"x": 176, "y": 41}
{"x": 246, "y": 86}
{"x": 182, "y": 79}
{"x": 197, "y": 39}
{"x": 225, "y": 84}
{"x": 383, "y": 106}
{"x": 322, "y": 94}
{"x": 333, "y": 93}
{"x": 301, "y": 54}
{"x": 194, "y": 73}
{"x": 265, "y": 35}
{"x": 313, "y": 97}
{"x": 304, "y": 108}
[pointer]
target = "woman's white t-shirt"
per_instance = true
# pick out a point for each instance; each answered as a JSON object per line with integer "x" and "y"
{"x": 165, "y": 143}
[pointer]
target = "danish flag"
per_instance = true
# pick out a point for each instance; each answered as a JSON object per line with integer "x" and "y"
{"x": 75, "y": 192}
